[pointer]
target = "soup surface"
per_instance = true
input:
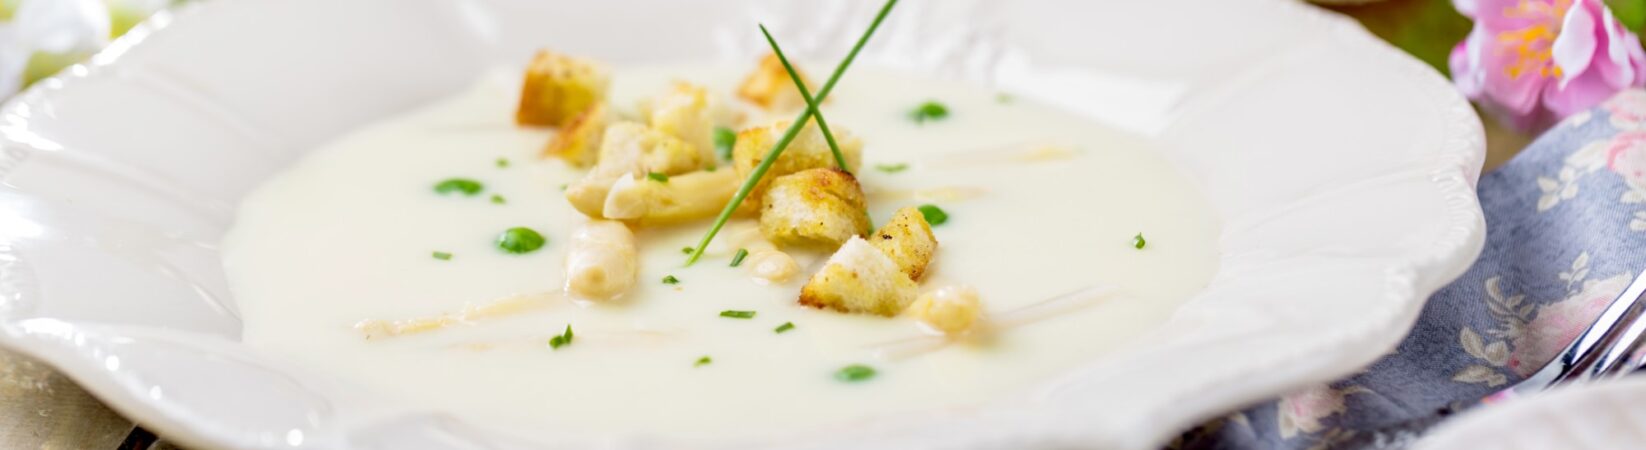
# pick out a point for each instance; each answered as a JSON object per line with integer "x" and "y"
{"x": 1040, "y": 203}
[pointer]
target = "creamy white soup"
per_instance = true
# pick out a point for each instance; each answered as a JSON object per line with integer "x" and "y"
{"x": 1040, "y": 203}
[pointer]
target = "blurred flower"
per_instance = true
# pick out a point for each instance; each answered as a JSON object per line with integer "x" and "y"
{"x": 1533, "y": 62}
{"x": 51, "y": 27}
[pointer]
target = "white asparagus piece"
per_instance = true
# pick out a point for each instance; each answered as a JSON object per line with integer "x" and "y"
{"x": 683, "y": 198}
{"x": 603, "y": 261}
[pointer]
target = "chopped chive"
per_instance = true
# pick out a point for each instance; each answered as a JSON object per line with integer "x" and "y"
{"x": 520, "y": 240}
{"x": 658, "y": 177}
{"x": 1004, "y": 98}
{"x": 892, "y": 168}
{"x": 443, "y": 256}
{"x": 498, "y": 199}
{"x": 737, "y": 259}
{"x": 735, "y": 314}
{"x": 934, "y": 215}
{"x": 670, "y": 279}
{"x": 854, "y": 373}
{"x": 724, "y": 141}
{"x": 704, "y": 361}
{"x": 563, "y": 186}
{"x": 786, "y": 326}
{"x": 687, "y": 250}
{"x": 463, "y": 185}
{"x": 563, "y": 339}
{"x": 1138, "y": 242}
{"x": 502, "y": 162}
{"x": 788, "y": 136}
{"x": 929, "y": 111}
{"x": 811, "y": 103}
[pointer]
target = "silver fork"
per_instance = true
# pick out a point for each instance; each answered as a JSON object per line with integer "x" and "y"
{"x": 1607, "y": 349}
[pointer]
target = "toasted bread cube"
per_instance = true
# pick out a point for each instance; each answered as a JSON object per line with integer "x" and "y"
{"x": 808, "y": 150}
{"x": 557, "y": 88}
{"x": 859, "y": 279}
{"x": 685, "y": 112}
{"x": 948, "y": 310}
{"x": 908, "y": 240}
{"x": 814, "y": 208}
{"x": 770, "y": 87}
{"x": 603, "y": 261}
{"x": 630, "y": 149}
{"x": 579, "y": 141}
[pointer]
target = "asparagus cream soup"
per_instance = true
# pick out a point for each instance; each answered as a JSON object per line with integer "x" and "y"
{"x": 516, "y": 254}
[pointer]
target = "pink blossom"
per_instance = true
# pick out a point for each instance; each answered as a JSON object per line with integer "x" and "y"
{"x": 1534, "y": 62}
{"x": 1559, "y": 323}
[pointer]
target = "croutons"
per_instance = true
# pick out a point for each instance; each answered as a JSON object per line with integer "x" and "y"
{"x": 602, "y": 263}
{"x": 685, "y": 112}
{"x": 558, "y": 88}
{"x": 908, "y": 240}
{"x": 949, "y": 309}
{"x": 691, "y": 196}
{"x": 814, "y": 208}
{"x": 629, "y": 149}
{"x": 859, "y": 279}
{"x": 579, "y": 141}
{"x": 770, "y": 87}
{"x": 808, "y": 150}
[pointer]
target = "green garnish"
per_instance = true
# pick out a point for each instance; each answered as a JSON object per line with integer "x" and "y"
{"x": 786, "y": 326}
{"x": 704, "y": 361}
{"x": 724, "y": 141}
{"x": 563, "y": 339}
{"x": 892, "y": 168}
{"x": 563, "y": 186}
{"x": 687, "y": 250}
{"x": 502, "y": 162}
{"x": 929, "y": 111}
{"x": 788, "y": 136}
{"x": 934, "y": 215}
{"x": 811, "y": 103}
{"x": 735, "y": 314}
{"x": 658, "y": 177}
{"x": 737, "y": 259}
{"x": 854, "y": 373}
{"x": 1138, "y": 242}
{"x": 520, "y": 240}
{"x": 1004, "y": 98}
{"x": 443, "y": 256}
{"x": 464, "y": 185}
{"x": 670, "y": 279}
{"x": 498, "y": 199}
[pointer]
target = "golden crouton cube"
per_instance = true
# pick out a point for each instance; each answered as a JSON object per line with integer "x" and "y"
{"x": 814, "y": 208}
{"x": 558, "y": 87}
{"x": 949, "y": 309}
{"x": 770, "y": 86}
{"x": 630, "y": 149}
{"x": 579, "y": 141}
{"x": 859, "y": 279}
{"x": 908, "y": 240}
{"x": 685, "y": 112}
{"x": 808, "y": 150}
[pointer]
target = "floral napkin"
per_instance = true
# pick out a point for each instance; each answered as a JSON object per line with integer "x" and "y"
{"x": 1565, "y": 234}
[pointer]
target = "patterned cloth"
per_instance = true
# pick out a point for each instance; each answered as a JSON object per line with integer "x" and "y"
{"x": 1565, "y": 234}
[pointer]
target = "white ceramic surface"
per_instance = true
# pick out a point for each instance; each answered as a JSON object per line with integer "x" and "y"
{"x": 1343, "y": 172}
{"x": 1599, "y": 416}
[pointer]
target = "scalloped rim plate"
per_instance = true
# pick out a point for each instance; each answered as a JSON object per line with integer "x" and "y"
{"x": 1342, "y": 169}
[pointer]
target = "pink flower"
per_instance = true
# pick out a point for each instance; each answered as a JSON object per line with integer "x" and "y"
{"x": 1558, "y": 324}
{"x": 1626, "y": 156}
{"x": 1628, "y": 110}
{"x": 1534, "y": 62}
